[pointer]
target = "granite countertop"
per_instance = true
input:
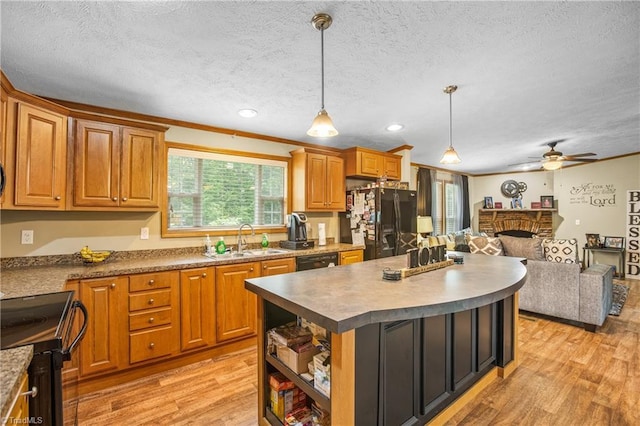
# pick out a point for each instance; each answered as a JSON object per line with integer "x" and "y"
{"x": 341, "y": 299}
{"x": 13, "y": 363}
{"x": 19, "y": 281}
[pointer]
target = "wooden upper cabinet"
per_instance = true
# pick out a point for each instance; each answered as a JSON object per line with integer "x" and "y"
{"x": 115, "y": 166}
{"x": 40, "y": 158}
{"x": 367, "y": 163}
{"x": 318, "y": 181}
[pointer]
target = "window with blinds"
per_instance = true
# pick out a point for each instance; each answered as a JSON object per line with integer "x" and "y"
{"x": 208, "y": 190}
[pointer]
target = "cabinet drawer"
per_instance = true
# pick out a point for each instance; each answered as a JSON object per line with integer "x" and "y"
{"x": 146, "y": 282}
{"x": 149, "y": 299}
{"x": 149, "y": 318}
{"x": 150, "y": 344}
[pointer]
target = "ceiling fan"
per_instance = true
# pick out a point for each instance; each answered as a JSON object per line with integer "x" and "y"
{"x": 552, "y": 159}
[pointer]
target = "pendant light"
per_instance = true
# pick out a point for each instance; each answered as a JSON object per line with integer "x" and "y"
{"x": 322, "y": 126}
{"x": 450, "y": 156}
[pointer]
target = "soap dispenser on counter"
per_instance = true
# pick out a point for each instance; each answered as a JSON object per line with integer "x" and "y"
{"x": 265, "y": 242}
{"x": 207, "y": 246}
{"x": 221, "y": 247}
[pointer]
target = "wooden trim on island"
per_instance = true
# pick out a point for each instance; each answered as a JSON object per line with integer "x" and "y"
{"x": 343, "y": 387}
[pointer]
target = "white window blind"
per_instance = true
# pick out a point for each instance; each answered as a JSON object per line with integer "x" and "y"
{"x": 208, "y": 190}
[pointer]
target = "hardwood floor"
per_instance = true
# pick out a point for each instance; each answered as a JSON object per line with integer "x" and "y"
{"x": 567, "y": 376}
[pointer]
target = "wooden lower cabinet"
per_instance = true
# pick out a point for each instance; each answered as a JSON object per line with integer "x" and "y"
{"x": 19, "y": 411}
{"x": 236, "y": 308}
{"x": 104, "y": 346}
{"x": 278, "y": 266}
{"x": 197, "y": 308}
{"x": 351, "y": 256}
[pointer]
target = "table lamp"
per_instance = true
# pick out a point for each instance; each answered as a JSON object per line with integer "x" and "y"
{"x": 425, "y": 226}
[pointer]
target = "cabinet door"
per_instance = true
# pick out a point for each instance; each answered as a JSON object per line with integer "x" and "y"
{"x": 139, "y": 168}
{"x": 370, "y": 164}
{"x": 96, "y": 164}
{"x": 278, "y": 266}
{"x": 335, "y": 187}
{"x": 41, "y": 158}
{"x": 102, "y": 345}
{"x": 236, "y": 308}
{"x": 316, "y": 181}
{"x": 351, "y": 256}
{"x": 197, "y": 308}
{"x": 392, "y": 167}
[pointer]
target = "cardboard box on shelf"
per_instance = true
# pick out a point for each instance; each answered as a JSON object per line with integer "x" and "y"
{"x": 287, "y": 335}
{"x": 297, "y": 357}
{"x": 319, "y": 416}
{"x": 322, "y": 373}
{"x": 285, "y": 401}
{"x": 299, "y": 417}
{"x": 279, "y": 381}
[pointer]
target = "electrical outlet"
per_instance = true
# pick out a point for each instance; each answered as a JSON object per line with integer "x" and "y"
{"x": 144, "y": 233}
{"x": 27, "y": 236}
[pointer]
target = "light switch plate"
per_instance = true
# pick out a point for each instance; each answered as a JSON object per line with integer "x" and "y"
{"x": 144, "y": 233}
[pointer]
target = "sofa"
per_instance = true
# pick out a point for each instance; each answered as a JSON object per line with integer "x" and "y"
{"x": 556, "y": 284}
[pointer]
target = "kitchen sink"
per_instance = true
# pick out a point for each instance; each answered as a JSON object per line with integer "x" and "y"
{"x": 248, "y": 253}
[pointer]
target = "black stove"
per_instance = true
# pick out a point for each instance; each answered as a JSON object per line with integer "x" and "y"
{"x": 46, "y": 322}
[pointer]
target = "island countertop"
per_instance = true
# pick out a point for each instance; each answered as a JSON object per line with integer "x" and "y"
{"x": 350, "y": 296}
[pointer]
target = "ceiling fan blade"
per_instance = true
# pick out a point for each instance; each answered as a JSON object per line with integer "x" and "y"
{"x": 586, "y": 154}
{"x": 583, "y": 160}
{"x": 522, "y": 164}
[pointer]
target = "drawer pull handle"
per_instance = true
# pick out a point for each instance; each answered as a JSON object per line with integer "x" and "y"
{"x": 113, "y": 285}
{"x": 32, "y": 393}
{"x": 204, "y": 275}
{"x": 152, "y": 345}
{"x": 251, "y": 270}
{"x": 151, "y": 282}
{"x": 264, "y": 267}
{"x": 151, "y": 301}
{"x": 152, "y": 319}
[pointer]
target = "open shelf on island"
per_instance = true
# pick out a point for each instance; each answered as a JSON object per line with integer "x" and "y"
{"x": 306, "y": 387}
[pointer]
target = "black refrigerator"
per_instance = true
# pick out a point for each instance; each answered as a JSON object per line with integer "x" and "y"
{"x": 384, "y": 219}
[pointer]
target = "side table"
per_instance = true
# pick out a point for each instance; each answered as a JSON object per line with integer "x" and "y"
{"x": 588, "y": 254}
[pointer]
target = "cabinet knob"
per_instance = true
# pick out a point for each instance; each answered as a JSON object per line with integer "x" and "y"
{"x": 152, "y": 319}
{"x": 151, "y": 301}
{"x": 151, "y": 282}
{"x": 32, "y": 393}
{"x": 58, "y": 198}
{"x": 113, "y": 285}
{"x": 204, "y": 275}
{"x": 124, "y": 198}
{"x": 251, "y": 270}
{"x": 264, "y": 266}
{"x": 115, "y": 198}
{"x": 152, "y": 345}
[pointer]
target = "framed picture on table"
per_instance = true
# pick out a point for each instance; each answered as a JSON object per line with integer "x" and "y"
{"x": 593, "y": 240}
{"x": 614, "y": 242}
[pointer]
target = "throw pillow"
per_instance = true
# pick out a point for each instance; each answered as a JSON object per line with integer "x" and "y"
{"x": 530, "y": 248}
{"x": 561, "y": 250}
{"x": 486, "y": 245}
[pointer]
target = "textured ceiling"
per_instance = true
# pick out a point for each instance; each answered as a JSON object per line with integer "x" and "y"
{"x": 527, "y": 72}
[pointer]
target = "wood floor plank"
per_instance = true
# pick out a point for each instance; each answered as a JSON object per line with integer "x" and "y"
{"x": 567, "y": 376}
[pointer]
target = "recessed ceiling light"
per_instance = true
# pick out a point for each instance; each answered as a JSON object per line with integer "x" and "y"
{"x": 247, "y": 113}
{"x": 394, "y": 127}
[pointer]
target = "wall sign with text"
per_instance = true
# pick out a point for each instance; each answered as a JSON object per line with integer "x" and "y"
{"x": 633, "y": 235}
{"x": 593, "y": 194}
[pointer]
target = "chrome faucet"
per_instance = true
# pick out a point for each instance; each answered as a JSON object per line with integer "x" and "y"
{"x": 241, "y": 245}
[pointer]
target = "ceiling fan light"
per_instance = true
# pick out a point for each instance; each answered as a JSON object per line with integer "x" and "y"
{"x": 450, "y": 156}
{"x": 322, "y": 126}
{"x": 552, "y": 164}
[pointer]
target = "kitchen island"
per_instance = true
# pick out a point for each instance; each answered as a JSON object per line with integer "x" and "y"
{"x": 402, "y": 352}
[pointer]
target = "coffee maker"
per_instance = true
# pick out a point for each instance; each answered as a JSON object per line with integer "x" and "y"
{"x": 297, "y": 234}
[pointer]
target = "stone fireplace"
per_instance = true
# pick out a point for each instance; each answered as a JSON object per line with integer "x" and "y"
{"x": 517, "y": 222}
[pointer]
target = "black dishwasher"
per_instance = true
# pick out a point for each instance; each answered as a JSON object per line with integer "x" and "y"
{"x": 315, "y": 261}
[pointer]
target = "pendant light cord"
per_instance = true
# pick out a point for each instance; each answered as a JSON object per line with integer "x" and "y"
{"x": 322, "y": 61}
{"x": 450, "y": 123}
